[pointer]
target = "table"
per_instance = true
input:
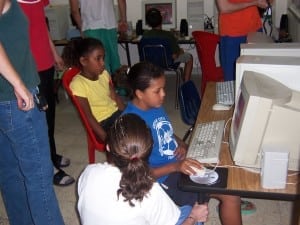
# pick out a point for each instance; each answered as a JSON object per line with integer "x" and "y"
{"x": 125, "y": 41}
{"x": 239, "y": 181}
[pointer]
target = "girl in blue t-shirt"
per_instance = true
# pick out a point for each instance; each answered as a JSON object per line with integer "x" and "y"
{"x": 168, "y": 156}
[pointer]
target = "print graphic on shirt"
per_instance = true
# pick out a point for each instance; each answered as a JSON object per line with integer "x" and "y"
{"x": 167, "y": 143}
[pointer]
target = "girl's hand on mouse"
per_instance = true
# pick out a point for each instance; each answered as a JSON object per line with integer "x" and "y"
{"x": 186, "y": 166}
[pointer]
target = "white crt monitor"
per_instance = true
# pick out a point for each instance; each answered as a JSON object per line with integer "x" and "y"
{"x": 167, "y": 9}
{"x": 281, "y": 68}
{"x": 271, "y": 49}
{"x": 266, "y": 116}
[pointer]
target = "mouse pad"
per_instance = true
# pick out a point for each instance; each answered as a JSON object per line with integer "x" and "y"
{"x": 185, "y": 183}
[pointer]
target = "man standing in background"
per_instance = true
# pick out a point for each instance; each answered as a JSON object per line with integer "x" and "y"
{"x": 46, "y": 56}
{"x": 96, "y": 19}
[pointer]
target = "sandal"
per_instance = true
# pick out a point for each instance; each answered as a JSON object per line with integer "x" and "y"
{"x": 62, "y": 179}
{"x": 247, "y": 207}
{"x": 62, "y": 161}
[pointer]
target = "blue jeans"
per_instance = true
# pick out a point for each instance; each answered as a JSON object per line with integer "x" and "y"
{"x": 229, "y": 52}
{"x": 26, "y": 170}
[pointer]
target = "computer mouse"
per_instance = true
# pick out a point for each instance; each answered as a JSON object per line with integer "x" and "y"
{"x": 219, "y": 107}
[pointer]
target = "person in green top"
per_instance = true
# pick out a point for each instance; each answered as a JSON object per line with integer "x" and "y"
{"x": 154, "y": 20}
{"x": 26, "y": 170}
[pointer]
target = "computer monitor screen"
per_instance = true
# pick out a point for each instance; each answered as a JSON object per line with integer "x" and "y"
{"x": 167, "y": 9}
{"x": 266, "y": 116}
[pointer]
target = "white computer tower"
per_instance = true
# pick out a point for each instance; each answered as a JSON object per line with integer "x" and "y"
{"x": 195, "y": 15}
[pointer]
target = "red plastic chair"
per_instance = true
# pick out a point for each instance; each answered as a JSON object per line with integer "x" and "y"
{"x": 206, "y": 44}
{"x": 93, "y": 143}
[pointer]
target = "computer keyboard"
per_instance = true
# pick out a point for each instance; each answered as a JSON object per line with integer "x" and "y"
{"x": 206, "y": 142}
{"x": 225, "y": 92}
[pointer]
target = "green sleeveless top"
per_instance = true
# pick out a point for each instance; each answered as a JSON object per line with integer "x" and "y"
{"x": 14, "y": 36}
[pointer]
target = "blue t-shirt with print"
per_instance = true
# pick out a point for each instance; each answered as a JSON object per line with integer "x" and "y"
{"x": 163, "y": 135}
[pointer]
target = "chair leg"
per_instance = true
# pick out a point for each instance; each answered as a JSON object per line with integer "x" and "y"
{"x": 179, "y": 72}
{"x": 91, "y": 151}
{"x": 187, "y": 134}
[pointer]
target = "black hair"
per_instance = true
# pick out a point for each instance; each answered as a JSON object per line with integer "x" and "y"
{"x": 77, "y": 48}
{"x": 153, "y": 17}
{"x": 141, "y": 74}
{"x": 130, "y": 142}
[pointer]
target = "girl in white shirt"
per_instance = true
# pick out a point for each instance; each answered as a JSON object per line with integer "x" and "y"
{"x": 122, "y": 191}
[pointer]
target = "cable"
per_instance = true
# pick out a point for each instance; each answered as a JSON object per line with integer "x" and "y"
{"x": 268, "y": 18}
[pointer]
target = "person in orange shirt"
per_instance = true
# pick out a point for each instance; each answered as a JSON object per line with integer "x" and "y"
{"x": 237, "y": 18}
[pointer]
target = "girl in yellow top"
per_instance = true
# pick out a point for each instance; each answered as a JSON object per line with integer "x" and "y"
{"x": 93, "y": 86}
{"x": 237, "y": 18}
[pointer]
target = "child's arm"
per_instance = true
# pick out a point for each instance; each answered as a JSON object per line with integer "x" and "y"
{"x": 183, "y": 166}
{"x": 96, "y": 127}
{"x": 116, "y": 97}
{"x": 181, "y": 150}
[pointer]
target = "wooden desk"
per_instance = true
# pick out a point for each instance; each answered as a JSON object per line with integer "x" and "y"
{"x": 124, "y": 43}
{"x": 240, "y": 181}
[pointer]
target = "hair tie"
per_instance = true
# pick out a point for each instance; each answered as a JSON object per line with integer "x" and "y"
{"x": 134, "y": 158}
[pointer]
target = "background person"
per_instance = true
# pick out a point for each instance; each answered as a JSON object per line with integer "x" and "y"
{"x": 96, "y": 18}
{"x": 237, "y": 18}
{"x": 93, "y": 86}
{"x": 154, "y": 20}
{"x": 46, "y": 56}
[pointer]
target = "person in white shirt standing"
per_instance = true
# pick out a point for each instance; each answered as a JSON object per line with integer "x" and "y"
{"x": 96, "y": 19}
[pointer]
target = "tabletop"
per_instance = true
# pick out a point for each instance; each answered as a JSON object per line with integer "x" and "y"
{"x": 240, "y": 181}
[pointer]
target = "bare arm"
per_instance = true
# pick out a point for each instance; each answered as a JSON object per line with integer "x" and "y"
{"x": 74, "y": 6}
{"x": 225, "y": 6}
{"x": 57, "y": 58}
{"x": 116, "y": 97}
{"x": 122, "y": 25}
{"x": 183, "y": 164}
{"x": 199, "y": 213}
{"x": 99, "y": 131}
{"x": 24, "y": 97}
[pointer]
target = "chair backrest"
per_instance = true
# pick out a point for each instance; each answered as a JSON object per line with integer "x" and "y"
{"x": 206, "y": 45}
{"x": 189, "y": 102}
{"x": 93, "y": 142}
{"x": 157, "y": 51}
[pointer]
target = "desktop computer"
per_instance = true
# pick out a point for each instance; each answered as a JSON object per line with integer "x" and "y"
{"x": 265, "y": 125}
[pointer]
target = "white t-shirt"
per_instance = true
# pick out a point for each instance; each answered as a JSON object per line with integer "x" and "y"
{"x": 97, "y": 14}
{"x": 98, "y": 202}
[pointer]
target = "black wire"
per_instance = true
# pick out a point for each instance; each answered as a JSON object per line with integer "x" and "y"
{"x": 268, "y": 18}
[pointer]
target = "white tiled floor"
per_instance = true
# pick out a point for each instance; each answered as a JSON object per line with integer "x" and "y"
{"x": 71, "y": 142}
